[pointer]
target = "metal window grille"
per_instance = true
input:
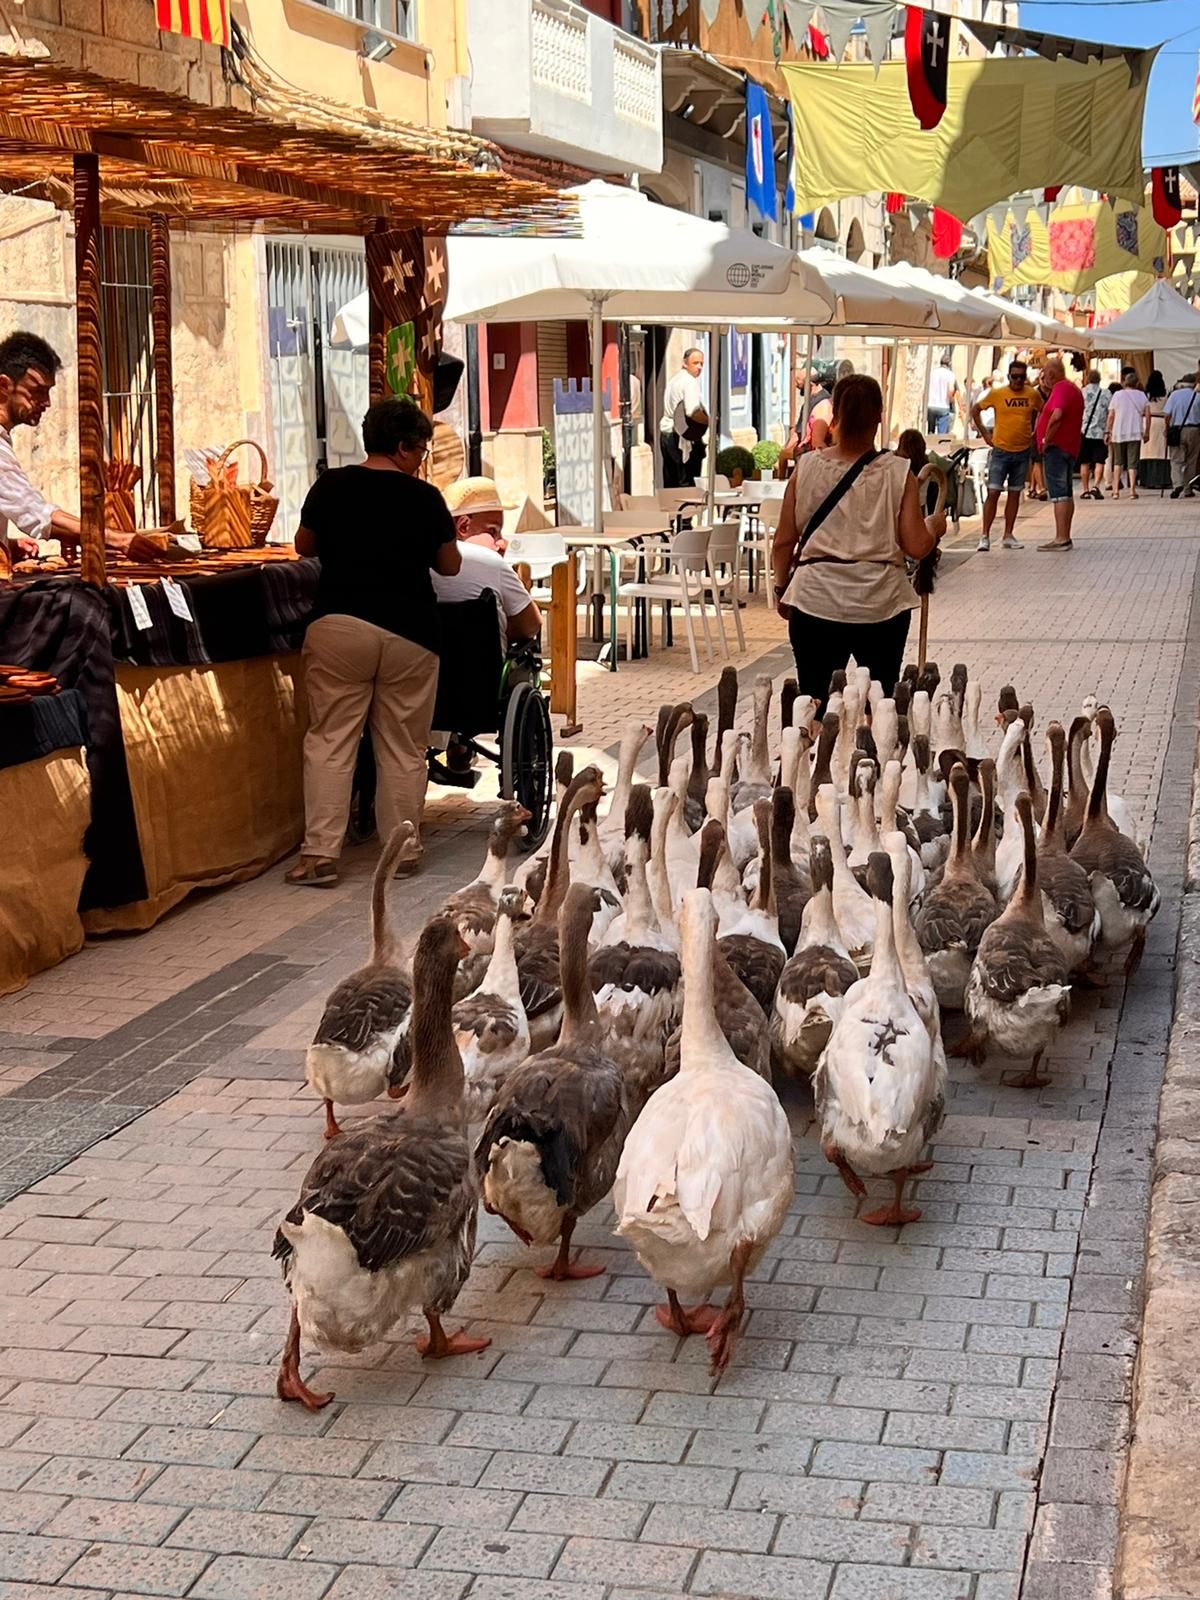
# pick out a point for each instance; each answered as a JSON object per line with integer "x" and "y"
{"x": 126, "y": 347}
{"x": 393, "y": 16}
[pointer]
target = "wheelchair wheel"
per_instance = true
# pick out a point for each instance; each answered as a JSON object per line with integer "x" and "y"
{"x": 526, "y": 759}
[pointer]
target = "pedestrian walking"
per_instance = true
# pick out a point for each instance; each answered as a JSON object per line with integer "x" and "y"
{"x": 1010, "y": 437}
{"x": 1154, "y": 467}
{"x": 811, "y": 431}
{"x": 1124, "y": 432}
{"x": 684, "y": 424}
{"x": 849, "y": 518}
{"x": 943, "y": 392}
{"x": 370, "y": 652}
{"x": 1060, "y": 436}
{"x": 1093, "y": 451}
{"x": 1183, "y": 434}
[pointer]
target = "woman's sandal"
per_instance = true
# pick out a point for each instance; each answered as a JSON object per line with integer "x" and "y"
{"x": 313, "y": 874}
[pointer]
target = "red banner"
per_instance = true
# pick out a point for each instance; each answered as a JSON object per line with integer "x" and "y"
{"x": 196, "y": 19}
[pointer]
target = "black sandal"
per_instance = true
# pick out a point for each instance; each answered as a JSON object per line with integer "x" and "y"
{"x": 316, "y": 875}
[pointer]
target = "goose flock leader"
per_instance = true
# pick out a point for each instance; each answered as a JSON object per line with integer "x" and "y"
{"x": 613, "y": 1020}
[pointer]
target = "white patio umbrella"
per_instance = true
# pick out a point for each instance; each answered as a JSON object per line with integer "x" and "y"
{"x": 633, "y": 261}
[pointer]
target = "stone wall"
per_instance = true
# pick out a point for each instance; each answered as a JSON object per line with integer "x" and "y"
{"x": 120, "y": 39}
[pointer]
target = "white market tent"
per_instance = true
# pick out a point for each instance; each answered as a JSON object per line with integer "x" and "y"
{"x": 1162, "y": 320}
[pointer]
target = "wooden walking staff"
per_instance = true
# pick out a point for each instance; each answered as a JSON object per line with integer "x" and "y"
{"x": 164, "y": 386}
{"x": 89, "y": 369}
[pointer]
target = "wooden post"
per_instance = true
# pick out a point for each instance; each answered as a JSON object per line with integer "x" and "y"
{"x": 563, "y": 643}
{"x": 164, "y": 383}
{"x": 90, "y": 369}
{"x": 376, "y": 348}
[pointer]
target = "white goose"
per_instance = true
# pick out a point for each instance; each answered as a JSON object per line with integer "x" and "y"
{"x": 1119, "y": 810}
{"x": 1010, "y": 779}
{"x": 657, "y": 876}
{"x": 612, "y": 823}
{"x": 591, "y": 867}
{"x": 851, "y": 904}
{"x": 754, "y": 760}
{"x": 1072, "y": 920}
{"x": 815, "y": 981}
{"x": 491, "y": 1029}
{"x": 879, "y": 1087}
{"x": 635, "y": 975}
{"x": 707, "y": 1173}
{"x": 889, "y": 798}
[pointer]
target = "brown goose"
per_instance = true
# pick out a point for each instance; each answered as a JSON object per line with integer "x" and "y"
{"x": 693, "y": 810}
{"x": 1072, "y": 920}
{"x": 755, "y": 773}
{"x": 350, "y": 1059}
{"x": 738, "y": 1012}
{"x": 1127, "y": 897}
{"x": 956, "y": 911}
{"x": 1018, "y": 995}
{"x": 983, "y": 843}
{"x": 750, "y": 940}
{"x": 531, "y": 874}
{"x": 815, "y": 980}
{"x": 822, "y": 764}
{"x": 473, "y": 909}
{"x": 1075, "y": 804}
{"x": 549, "y": 1150}
{"x": 791, "y": 892}
{"x": 1033, "y": 780}
{"x": 491, "y": 1029}
{"x": 385, "y": 1222}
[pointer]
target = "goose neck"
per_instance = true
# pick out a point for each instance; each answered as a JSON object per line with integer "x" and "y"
{"x": 436, "y": 1085}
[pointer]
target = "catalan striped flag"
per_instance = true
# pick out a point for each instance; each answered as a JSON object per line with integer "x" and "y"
{"x": 198, "y": 19}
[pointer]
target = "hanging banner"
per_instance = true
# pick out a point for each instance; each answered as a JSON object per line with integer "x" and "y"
{"x": 1082, "y": 243}
{"x": 1011, "y": 124}
{"x": 760, "y": 152}
{"x": 1166, "y": 200}
{"x": 927, "y": 63}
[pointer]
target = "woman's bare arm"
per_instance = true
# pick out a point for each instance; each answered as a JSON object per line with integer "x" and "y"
{"x": 784, "y": 542}
{"x": 913, "y": 537}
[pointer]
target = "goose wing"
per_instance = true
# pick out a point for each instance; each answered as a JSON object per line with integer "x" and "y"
{"x": 365, "y": 1005}
{"x": 1014, "y": 959}
{"x": 393, "y": 1191}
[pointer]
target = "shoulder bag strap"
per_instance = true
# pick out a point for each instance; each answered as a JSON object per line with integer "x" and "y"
{"x": 1187, "y": 421}
{"x": 840, "y": 489}
{"x": 1092, "y": 412}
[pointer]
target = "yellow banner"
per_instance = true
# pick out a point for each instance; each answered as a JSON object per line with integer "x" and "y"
{"x": 1084, "y": 242}
{"x": 1011, "y": 123}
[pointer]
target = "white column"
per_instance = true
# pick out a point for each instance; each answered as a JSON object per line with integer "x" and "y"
{"x": 714, "y": 409}
{"x": 599, "y": 421}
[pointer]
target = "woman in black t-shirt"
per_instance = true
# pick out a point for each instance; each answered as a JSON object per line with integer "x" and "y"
{"x": 371, "y": 647}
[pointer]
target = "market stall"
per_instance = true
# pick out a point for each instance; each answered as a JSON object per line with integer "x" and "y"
{"x": 165, "y": 755}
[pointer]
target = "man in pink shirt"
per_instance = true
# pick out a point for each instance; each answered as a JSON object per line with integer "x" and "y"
{"x": 1059, "y": 437}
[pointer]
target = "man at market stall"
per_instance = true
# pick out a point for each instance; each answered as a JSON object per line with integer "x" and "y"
{"x": 684, "y": 424}
{"x": 1014, "y": 411}
{"x": 1060, "y": 437}
{"x": 28, "y": 368}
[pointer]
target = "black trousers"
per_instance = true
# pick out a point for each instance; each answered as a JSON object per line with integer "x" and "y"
{"x": 822, "y": 647}
{"x": 678, "y": 473}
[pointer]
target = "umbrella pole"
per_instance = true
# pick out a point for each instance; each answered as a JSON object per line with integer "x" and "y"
{"x": 808, "y": 361}
{"x": 598, "y": 418}
{"x": 891, "y": 391}
{"x": 923, "y": 636}
{"x": 714, "y": 434}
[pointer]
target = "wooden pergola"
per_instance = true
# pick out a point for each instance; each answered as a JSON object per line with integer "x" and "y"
{"x": 118, "y": 153}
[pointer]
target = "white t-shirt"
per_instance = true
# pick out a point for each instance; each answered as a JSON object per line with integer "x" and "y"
{"x": 483, "y": 569}
{"x": 1125, "y": 415}
{"x": 683, "y": 389}
{"x": 942, "y": 384}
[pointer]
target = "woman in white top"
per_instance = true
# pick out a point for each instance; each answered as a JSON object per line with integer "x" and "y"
{"x": 1125, "y": 430}
{"x": 842, "y": 586}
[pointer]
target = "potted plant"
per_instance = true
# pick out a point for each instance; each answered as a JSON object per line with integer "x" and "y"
{"x": 735, "y": 463}
{"x": 766, "y": 455}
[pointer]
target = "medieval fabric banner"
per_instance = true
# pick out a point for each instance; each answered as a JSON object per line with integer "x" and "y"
{"x": 1010, "y": 124}
{"x": 1080, "y": 244}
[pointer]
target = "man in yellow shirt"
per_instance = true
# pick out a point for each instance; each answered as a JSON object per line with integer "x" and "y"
{"x": 1014, "y": 412}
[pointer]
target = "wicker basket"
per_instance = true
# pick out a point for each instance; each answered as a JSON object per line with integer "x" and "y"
{"x": 229, "y": 515}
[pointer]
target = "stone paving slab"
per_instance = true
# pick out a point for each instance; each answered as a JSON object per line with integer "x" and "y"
{"x": 907, "y": 1408}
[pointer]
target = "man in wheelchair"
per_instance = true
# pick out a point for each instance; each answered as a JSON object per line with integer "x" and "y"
{"x": 478, "y": 514}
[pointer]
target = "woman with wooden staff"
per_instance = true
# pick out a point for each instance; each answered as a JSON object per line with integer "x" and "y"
{"x": 850, "y": 517}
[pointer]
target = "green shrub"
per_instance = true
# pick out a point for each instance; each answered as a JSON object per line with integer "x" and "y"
{"x": 549, "y": 463}
{"x": 766, "y": 454}
{"x": 735, "y": 458}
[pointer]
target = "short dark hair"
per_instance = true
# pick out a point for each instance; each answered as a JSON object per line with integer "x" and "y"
{"x": 395, "y": 424}
{"x": 857, "y": 404}
{"x": 1093, "y": 374}
{"x": 692, "y": 350}
{"x": 1018, "y": 361}
{"x": 20, "y": 351}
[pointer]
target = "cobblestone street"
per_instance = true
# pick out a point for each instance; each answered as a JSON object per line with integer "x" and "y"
{"x": 934, "y": 1413}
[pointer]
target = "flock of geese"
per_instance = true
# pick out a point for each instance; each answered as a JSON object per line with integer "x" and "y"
{"x": 612, "y": 1019}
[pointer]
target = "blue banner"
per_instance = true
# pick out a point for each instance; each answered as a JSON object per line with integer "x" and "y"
{"x": 789, "y": 199}
{"x": 760, "y": 153}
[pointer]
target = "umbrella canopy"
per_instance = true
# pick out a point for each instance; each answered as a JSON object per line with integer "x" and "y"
{"x": 1161, "y": 320}
{"x": 1023, "y": 322}
{"x": 865, "y": 304}
{"x": 961, "y": 315}
{"x": 642, "y": 262}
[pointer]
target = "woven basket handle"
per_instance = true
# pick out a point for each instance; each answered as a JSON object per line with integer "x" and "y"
{"x": 223, "y": 458}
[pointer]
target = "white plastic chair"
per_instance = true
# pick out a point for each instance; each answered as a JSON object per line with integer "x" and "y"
{"x": 685, "y": 583}
{"x": 772, "y": 488}
{"x": 641, "y": 502}
{"x": 541, "y": 553}
{"x": 724, "y": 576}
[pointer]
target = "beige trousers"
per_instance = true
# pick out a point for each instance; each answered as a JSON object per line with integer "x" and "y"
{"x": 354, "y": 671}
